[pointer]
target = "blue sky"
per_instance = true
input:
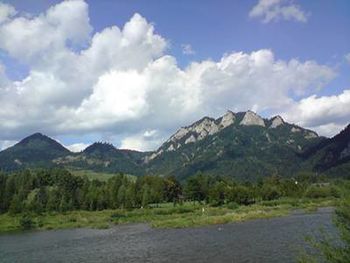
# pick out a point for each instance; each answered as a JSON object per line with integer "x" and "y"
{"x": 210, "y": 29}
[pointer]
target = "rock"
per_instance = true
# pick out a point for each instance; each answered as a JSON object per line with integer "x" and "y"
{"x": 276, "y": 121}
{"x": 205, "y": 127}
{"x": 190, "y": 139}
{"x": 290, "y": 141}
{"x": 171, "y": 148}
{"x": 251, "y": 118}
{"x": 18, "y": 162}
{"x": 153, "y": 156}
{"x": 311, "y": 135}
{"x": 228, "y": 119}
{"x": 295, "y": 129}
{"x": 179, "y": 134}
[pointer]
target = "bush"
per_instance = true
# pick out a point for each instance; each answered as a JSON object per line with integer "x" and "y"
{"x": 232, "y": 205}
{"x": 26, "y": 222}
{"x": 315, "y": 191}
{"x": 241, "y": 195}
{"x": 269, "y": 193}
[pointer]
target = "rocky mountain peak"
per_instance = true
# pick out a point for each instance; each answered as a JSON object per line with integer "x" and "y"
{"x": 251, "y": 118}
{"x": 228, "y": 119}
{"x": 276, "y": 121}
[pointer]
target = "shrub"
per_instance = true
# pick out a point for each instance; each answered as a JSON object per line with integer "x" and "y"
{"x": 26, "y": 222}
{"x": 315, "y": 191}
{"x": 232, "y": 205}
{"x": 270, "y": 193}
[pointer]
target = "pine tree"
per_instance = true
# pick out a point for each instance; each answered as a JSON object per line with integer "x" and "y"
{"x": 16, "y": 205}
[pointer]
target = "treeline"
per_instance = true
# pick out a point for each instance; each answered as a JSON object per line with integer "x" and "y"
{"x": 59, "y": 190}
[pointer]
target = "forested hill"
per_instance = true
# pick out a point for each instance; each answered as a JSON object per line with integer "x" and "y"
{"x": 332, "y": 155}
{"x": 241, "y": 145}
{"x": 34, "y": 151}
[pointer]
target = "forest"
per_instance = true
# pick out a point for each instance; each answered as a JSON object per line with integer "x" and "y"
{"x": 60, "y": 191}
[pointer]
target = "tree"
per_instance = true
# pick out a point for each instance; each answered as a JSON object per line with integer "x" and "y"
{"x": 217, "y": 193}
{"x": 63, "y": 205}
{"x": 145, "y": 195}
{"x": 172, "y": 190}
{"x": 121, "y": 196}
{"x": 53, "y": 199}
{"x": 16, "y": 205}
{"x": 241, "y": 195}
{"x": 130, "y": 196}
{"x": 197, "y": 188}
{"x": 270, "y": 192}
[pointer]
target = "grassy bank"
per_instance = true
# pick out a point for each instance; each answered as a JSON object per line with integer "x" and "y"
{"x": 164, "y": 216}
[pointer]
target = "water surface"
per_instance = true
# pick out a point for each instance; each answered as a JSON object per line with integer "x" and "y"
{"x": 265, "y": 240}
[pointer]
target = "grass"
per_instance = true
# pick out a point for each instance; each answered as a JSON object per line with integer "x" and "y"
{"x": 165, "y": 215}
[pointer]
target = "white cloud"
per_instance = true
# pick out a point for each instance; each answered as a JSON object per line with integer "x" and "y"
{"x": 274, "y": 10}
{"x": 40, "y": 39}
{"x": 6, "y": 144}
{"x": 77, "y": 147}
{"x": 187, "y": 49}
{"x": 327, "y": 114}
{"x": 147, "y": 141}
{"x": 6, "y": 12}
{"x": 121, "y": 82}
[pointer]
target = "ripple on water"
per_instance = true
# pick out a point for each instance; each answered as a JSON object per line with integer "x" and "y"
{"x": 267, "y": 240}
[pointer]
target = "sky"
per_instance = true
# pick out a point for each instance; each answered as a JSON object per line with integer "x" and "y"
{"x": 133, "y": 72}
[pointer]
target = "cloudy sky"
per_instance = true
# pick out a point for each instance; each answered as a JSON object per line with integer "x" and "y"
{"x": 133, "y": 72}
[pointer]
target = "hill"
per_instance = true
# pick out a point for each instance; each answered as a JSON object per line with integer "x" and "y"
{"x": 36, "y": 150}
{"x": 103, "y": 157}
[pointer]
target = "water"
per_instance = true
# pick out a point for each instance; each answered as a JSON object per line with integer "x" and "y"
{"x": 265, "y": 240}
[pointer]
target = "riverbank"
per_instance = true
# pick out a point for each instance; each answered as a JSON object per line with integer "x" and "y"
{"x": 164, "y": 216}
{"x": 279, "y": 239}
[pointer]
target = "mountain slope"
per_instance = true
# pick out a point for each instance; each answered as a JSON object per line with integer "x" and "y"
{"x": 330, "y": 153}
{"x": 36, "y": 150}
{"x": 103, "y": 157}
{"x": 242, "y": 145}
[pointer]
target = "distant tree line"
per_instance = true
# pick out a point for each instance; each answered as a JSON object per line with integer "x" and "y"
{"x": 59, "y": 190}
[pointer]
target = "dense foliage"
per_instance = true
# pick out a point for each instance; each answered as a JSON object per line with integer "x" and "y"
{"x": 59, "y": 190}
{"x": 334, "y": 249}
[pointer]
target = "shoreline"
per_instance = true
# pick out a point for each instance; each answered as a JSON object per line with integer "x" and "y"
{"x": 187, "y": 215}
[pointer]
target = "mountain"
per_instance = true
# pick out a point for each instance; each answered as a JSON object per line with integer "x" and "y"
{"x": 242, "y": 145}
{"x": 36, "y": 150}
{"x": 103, "y": 157}
{"x": 331, "y": 154}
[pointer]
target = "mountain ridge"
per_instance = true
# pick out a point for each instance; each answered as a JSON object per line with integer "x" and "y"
{"x": 242, "y": 145}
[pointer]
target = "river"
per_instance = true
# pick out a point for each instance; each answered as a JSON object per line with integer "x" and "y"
{"x": 263, "y": 240}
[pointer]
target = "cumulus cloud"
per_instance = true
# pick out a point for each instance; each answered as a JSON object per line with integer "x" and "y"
{"x": 146, "y": 141}
{"x": 77, "y": 147}
{"x": 6, "y": 144}
{"x": 274, "y": 10}
{"x": 6, "y": 12}
{"x": 121, "y": 81}
{"x": 326, "y": 114}
{"x": 187, "y": 49}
